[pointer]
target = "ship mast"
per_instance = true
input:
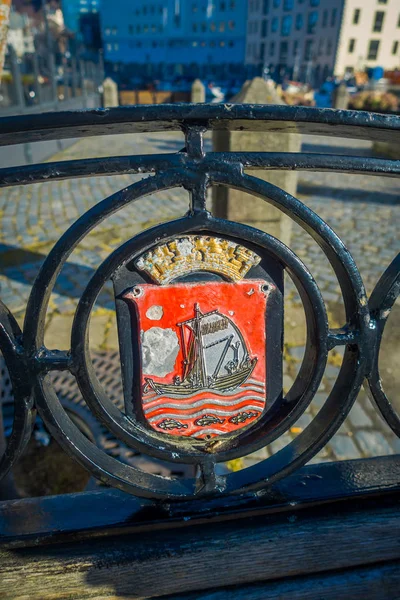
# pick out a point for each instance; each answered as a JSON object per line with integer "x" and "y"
{"x": 200, "y": 363}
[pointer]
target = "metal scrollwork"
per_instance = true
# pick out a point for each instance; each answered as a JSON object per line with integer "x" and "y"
{"x": 162, "y": 254}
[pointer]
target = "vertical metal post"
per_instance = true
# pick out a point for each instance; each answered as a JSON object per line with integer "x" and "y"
{"x": 16, "y": 80}
{"x": 53, "y": 79}
{"x": 74, "y": 77}
{"x": 101, "y": 67}
{"x": 83, "y": 83}
{"x": 36, "y": 74}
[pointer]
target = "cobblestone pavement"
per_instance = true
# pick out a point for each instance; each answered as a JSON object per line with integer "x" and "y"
{"x": 362, "y": 210}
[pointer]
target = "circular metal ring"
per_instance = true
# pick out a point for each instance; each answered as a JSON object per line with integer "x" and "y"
{"x": 24, "y": 413}
{"x": 230, "y": 446}
{"x": 381, "y": 303}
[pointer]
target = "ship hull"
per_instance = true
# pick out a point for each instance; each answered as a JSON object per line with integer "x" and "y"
{"x": 221, "y": 384}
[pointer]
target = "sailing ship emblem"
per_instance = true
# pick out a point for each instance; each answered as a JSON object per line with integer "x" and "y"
{"x": 202, "y": 355}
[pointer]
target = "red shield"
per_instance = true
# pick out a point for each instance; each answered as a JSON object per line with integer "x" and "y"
{"x": 203, "y": 355}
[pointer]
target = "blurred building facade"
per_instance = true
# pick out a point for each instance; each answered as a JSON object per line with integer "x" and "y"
{"x": 310, "y": 40}
{"x": 172, "y": 35}
{"x": 75, "y": 10}
{"x": 20, "y": 33}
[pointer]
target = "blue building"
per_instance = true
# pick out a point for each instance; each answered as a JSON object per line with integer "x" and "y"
{"x": 73, "y": 10}
{"x": 168, "y": 37}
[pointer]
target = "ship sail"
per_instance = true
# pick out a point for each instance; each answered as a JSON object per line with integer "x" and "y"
{"x": 215, "y": 356}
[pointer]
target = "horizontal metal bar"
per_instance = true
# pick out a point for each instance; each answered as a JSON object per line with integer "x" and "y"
{"x": 270, "y": 161}
{"x": 109, "y": 511}
{"x": 173, "y": 117}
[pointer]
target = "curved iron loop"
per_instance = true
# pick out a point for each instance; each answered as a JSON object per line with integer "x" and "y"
{"x": 381, "y": 302}
{"x": 175, "y": 117}
{"x": 24, "y": 412}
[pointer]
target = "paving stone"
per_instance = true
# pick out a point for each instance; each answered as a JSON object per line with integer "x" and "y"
{"x": 302, "y": 422}
{"x": 297, "y": 352}
{"x": 358, "y": 417}
{"x": 344, "y": 448}
{"x": 280, "y": 443}
{"x": 395, "y": 444}
{"x": 373, "y": 443}
{"x": 287, "y": 382}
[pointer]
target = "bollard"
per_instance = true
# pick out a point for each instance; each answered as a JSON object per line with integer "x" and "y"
{"x": 341, "y": 97}
{"x": 198, "y": 93}
{"x": 236, "y": 205}
{"x": 110, "y": 93}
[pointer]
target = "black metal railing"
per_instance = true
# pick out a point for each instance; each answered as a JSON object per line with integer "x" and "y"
{"x": 30, "y": 363}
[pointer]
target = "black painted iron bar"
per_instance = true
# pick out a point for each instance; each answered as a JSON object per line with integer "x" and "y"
{"x": 274, "y": 161}
{"x": 175, "y": 117}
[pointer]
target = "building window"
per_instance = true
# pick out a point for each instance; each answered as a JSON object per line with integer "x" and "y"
{"x": 264, "y": 28}
{"x": 222, "y": 44}
{"x": 312, "y": 21}
{"x": 398, "y": 22}
{"x": 277, "y": 3}
{"x": 378, "y": 22}
{"x": 194, "y": 27}
{"x": 194, "y": 44}
{"x": 107, "y": 31}
{"x": 114, "y": 31}
{"x": 321, "y": 46}
{"x": 352, "y": 45}
{"x": 328, "y": 47}
{"x": 314, "y": 2}
{"x": 222, "y": 6}
{"x": 325, "y": 18}
{"x": 153, "y": 28}
{"x": 231, "y": 43}
{"x": 283, "y": 51}
{"x": 194, "y": 8}
{"x": 395, "y": 47}
{"x": 145, "y": 28}
{"x": 262, "y": 51}
{"x": 204, "y": 27}
{"x": 222, "y": 26}
{"x": 272, "y": 48}
{"x": 265, "y": 7}
{"x": 373, "y": 49}
{"x": 212, "y": 27}
{"x": 333, "y": 17}
{"x": 286, "y": 25}
{"x": 299, "y": 21}
{"x": 232, "y": 6}
{"x": 275, "y": 24}
{"x": 109, "y": 47}
{"x": 356, "y": 16}
{"x": 308, "y": 50}
{"x": 382, "y": 1}
{"x": 231, "y": 25}
{"x": 138, "y": 28}
{"x": 116, "y": 46}
{"x": 295, "y": 47}
{"x": 130, "y": 29}
{"x": 288, "y": 4}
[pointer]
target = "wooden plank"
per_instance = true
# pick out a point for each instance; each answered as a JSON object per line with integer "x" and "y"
{"x": 148, "y": 565}
{"x": 379, "y": 583}
{"x": 58, "y": 518}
